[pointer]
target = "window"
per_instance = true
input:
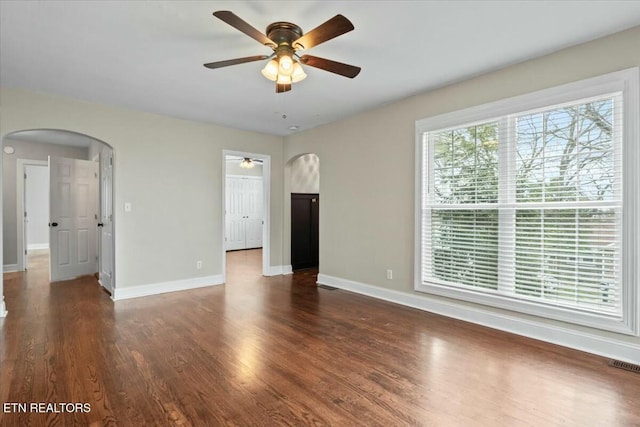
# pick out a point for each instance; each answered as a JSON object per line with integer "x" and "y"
{"x": 530, "y": 203}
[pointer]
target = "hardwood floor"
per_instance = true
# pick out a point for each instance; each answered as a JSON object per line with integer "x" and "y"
{"x": 280, "y": 351}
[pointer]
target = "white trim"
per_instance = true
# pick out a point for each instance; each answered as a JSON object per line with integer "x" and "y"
{"x": 3, "y": 309}
{"x": 37, "y": 246}
{"x": 625, "y": 81}
{"x": 10, "y": 268}
{"x": 161, "y": 288}
{"x": 276, "y": 270}
{"x": 631, "y": 189}
{"x": 20, "y": 171}
{"x": 266, "y": 194}
{"x": 607, "y": 347}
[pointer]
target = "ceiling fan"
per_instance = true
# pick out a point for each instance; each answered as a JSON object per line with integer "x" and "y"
{"x": 286, "y": 39}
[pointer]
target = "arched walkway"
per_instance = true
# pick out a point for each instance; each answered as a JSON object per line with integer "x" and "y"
{"x": 34, "y": 146}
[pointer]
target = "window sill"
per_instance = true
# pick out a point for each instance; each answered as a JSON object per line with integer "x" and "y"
{"x": 540, "y": 310}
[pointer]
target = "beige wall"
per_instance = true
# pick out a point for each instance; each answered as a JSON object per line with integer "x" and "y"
{"x": 367, "y": 209}
{"x": 31, "y": 151}
{"x": 168, "y": 169}
{"x": 305, "y": 174}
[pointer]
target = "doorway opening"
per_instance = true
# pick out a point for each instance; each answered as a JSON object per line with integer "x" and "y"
{"x": 70, "y": 176}
{"x": 246, "y": 206}
{"x": 305, "y": 211}
{"x": 305, "y": 215}
{"x": 32, "y": 179}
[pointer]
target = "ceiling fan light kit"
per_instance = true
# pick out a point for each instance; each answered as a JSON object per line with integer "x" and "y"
{"x": 284, "y": 66}
{"x": 247, "y": 163}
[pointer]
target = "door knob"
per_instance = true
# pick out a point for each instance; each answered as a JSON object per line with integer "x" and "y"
{"x": 100, "y": 224}
{"x": 53, "y": 224}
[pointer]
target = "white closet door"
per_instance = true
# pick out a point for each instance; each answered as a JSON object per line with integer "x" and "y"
{"x": 244, "y": 212}
{"x": 253, "y": 212}
{"x": 234, "y": 218}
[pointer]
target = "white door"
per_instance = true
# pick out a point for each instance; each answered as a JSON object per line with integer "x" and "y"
{"x": 253, "y": 212}
{"x": 72, "y": 215}
{"x": 243, "y": 218}
{"x": 234, "y": 217}
{"x": 105, "y": 226}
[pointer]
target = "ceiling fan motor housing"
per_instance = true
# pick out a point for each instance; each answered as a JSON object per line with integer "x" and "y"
{"x": 284, "y": 33}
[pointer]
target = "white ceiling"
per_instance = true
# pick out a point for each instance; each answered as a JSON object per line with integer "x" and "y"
{"x": 148, "y": 55}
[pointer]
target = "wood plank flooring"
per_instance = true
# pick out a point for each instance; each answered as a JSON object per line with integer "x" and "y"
{"x": 280, "y": 351}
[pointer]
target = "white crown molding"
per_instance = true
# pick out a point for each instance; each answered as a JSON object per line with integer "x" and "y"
{"x": 163, "y": 287}
{"x": 591, "y": 343}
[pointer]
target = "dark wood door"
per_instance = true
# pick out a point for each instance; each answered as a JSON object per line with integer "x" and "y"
{"x": 304, "y": 230}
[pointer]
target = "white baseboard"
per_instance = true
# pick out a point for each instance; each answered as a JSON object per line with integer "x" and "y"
{"x": 591, "y": 343}
{"x": 160, "y": 288}
{"x": 9, "y": 268}
{"x": 35, "y": 246}
{"x": 276, "y": 270}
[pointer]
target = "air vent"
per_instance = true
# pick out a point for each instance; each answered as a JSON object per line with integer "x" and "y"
{"x": 327, "y": 287}
{"x": 625, "y": 365}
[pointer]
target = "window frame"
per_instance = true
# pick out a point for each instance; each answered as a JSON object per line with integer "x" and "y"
{"x": 624, "y": 81}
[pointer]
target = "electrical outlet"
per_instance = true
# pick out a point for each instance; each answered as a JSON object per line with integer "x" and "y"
{"x": 198, "y": 265}
{"x": 390, "y": 274}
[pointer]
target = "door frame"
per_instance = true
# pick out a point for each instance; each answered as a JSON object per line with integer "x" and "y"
{"x": 21, "y": 164}
{"x": 266, "y": 206}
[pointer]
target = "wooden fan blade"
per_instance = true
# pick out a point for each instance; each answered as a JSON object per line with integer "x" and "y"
{"x": 331, "y": 66}
{"x": 228, "y": 62}
{"x": 236, "y": 22}
{"x": 283, "y": 87}
{"x": 334, "y": 27}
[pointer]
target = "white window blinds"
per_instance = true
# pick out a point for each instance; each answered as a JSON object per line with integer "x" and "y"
{"x": 528, "y": 206}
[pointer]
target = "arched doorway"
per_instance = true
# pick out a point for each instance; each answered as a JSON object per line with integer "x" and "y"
{"x": 27, "y": 149}
{"x": 304, "y": 210}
